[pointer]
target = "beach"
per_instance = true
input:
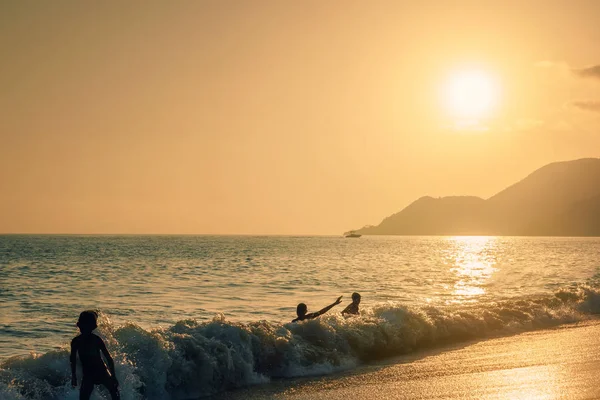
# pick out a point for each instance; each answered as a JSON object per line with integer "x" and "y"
{"x": 187, "y": 317}
{"x": 558, "y": 363}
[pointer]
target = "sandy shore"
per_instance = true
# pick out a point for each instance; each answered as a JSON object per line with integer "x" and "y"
{"x": 561, "y": 363}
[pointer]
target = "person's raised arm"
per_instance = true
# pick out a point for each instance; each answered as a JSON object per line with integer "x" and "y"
{"x": 109, "y": 360}
{"x": 329, "y": 307}
{"x": 73, "y": 359}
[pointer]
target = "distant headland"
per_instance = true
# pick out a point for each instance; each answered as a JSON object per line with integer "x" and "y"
{"x": 559, "y": 199}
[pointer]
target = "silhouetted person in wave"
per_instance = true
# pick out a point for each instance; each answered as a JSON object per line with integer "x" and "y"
{"x": 301, "y": 310}
{"x": 89, "y": 347}
{"x": 353, "y": 307}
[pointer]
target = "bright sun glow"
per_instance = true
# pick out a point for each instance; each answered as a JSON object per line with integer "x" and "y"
{"x": 470, "y": 94}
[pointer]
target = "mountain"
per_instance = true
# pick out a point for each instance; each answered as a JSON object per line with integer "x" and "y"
{"x": 559, "y": 199}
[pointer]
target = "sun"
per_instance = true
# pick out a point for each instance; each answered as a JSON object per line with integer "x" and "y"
{"x": 470, "y": 94}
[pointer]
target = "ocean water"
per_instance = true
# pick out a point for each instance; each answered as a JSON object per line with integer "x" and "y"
{"x": 189, "y": 316}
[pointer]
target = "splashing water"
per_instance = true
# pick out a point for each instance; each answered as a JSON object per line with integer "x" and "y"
{"x": 159, "y": 298}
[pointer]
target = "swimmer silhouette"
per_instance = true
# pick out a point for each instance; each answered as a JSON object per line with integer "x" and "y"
{"x": 89, "y": 347}
{"x": 353, "y": 307}
{"x": 301, "y": 310}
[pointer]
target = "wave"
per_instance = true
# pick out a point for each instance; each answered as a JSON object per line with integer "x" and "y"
{"x": 194, "y": 359}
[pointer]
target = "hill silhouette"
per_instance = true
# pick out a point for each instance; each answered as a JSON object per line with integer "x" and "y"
{"x": 559, "y": 199}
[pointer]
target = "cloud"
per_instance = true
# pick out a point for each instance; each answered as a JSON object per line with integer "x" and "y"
{"x": 587, "y": 105}
{"x": 590, "y": 72}
{"x": 546, "y": 64}
{"x": 525, "y": 124}
{"x": 553, "y": 65}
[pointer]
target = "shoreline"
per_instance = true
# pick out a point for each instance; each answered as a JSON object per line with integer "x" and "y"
{"x": 561, "y": 362}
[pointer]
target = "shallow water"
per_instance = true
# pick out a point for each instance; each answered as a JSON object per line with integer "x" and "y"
{"x": 159, "y": 296}
{"x": 159, "y": 280}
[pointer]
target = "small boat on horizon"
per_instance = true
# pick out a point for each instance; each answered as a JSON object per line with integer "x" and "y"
{"x": 352, "y": 234}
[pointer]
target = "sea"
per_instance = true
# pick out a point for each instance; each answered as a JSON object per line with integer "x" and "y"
{"x": 192, "y": 316}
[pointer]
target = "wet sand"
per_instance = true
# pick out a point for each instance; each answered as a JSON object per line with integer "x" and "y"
{"x": 560, "y": 363}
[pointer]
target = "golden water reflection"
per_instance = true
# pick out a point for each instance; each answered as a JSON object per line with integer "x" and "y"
{"x": 528, "y": 383}
{"x": 472, "y": 260}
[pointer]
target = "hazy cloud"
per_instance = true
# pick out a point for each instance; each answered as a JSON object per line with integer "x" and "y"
{"x": 551, "y": 64}
{"x": 588, "y": 105}
{"x": 525, "y": 124}
{"x": 545, "y": 64}
{"x": 590, "y": 72}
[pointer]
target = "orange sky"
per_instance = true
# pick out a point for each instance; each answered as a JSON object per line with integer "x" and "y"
{"x": 278, "y": 117}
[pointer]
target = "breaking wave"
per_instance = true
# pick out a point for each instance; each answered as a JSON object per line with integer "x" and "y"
{"x": 193, "y": 359}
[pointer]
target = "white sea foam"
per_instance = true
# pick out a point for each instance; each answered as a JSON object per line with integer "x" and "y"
{"x": 192, "y": 359}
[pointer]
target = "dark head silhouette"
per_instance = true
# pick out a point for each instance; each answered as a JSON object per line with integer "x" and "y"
{"x": 356, "y": 298}
{"x": 301, "y": 310}
{"x": 87, "y": 321}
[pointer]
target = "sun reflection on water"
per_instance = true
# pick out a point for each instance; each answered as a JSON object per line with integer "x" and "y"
{"x": 537, "y": 382}
{"x": 472, "y": 260}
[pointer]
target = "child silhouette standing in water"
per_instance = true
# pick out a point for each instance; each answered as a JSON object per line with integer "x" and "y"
{"x": 89, "y": 347}
{"x": 352, "y": 307}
